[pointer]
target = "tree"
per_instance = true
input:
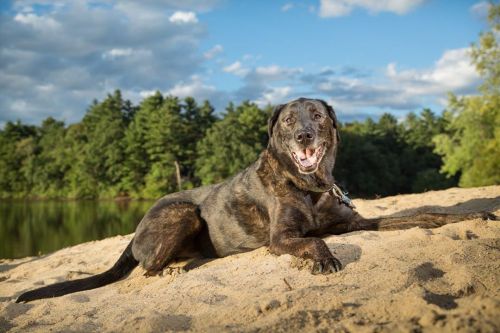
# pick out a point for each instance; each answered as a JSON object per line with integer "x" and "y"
{"x": 16, "y": 145}
{"x": 418, "y": 159}
{"x": 196, "y": 121}
{"x": 51, "y": 162}
{"x": 138, "y": 163}
{"x": 103, "y": 129}
{"x": 163, "y": 146}
{"x": 232, "y": 143}
{"x": 471, "y": 145}
{"x": 368, "y": 162}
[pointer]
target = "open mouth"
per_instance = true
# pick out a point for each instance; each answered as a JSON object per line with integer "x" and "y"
{"x": 308, "y": 159}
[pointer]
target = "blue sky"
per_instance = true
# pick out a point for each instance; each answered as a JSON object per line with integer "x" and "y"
{"x": 364, "y": 57}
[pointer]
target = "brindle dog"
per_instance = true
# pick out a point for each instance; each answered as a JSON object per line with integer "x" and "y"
{"x": 283, "y": 201}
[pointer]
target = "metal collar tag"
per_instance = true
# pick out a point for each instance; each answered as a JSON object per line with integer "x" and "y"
{"x": 342, "y": 197}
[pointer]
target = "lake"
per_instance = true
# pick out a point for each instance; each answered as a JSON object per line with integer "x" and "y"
{"x": 30, "y": 228}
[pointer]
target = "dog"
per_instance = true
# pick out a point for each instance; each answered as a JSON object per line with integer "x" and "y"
{"x": 285, "y": 200}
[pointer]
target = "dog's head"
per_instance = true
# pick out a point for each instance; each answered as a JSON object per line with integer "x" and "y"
{"x": 303, "y": 134}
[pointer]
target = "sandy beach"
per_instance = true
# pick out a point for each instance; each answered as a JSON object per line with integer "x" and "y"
{"x": 430, "y": 280}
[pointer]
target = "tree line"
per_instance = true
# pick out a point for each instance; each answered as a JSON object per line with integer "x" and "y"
{"x": 165, "y": 144}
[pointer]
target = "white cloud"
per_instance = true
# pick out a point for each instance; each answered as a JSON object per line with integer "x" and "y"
{"x": 19, "y": 106}
{"x": 329, "y": 8}
{"x": 37, "y": 22}
{"x": 147, "y": 93}
{"x": 236, "y": 68}
{"x": 116, "y": 53}
{"x": 180, "y": 17}
{"x": 55, "y": 61}
{"x": 210, "y": 54}
{"x": 336, "y": 8}
{"x": 58, "y": 60}
{"x": 274, "y": 95}
{"x": 195, "y": 88}
{"x": 269, "y": 70}
{"x": 452, "y": 72}
{"x": 45, "y": 87}
{"x": 480, "y": 9}
{"x": 399, "y": 90}
{"x": 276, "y": 72}
{"x": 268, "y": 84}
{"x": 286, "y": 7}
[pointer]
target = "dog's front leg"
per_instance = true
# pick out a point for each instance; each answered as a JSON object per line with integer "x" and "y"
{"x": 287, "y": 238}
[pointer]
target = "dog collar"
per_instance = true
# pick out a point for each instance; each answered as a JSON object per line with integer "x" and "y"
{"x": 341, "y": 196}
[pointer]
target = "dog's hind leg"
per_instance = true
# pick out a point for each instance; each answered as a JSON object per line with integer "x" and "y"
{"x": 163, "y": 233}
{"x": 340, "y": 219}
{"x": 427, "y": 220}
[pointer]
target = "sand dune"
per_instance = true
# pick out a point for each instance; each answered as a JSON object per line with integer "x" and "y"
{"x": 439, "y": 280}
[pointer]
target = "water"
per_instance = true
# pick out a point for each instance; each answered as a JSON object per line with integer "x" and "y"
{"x": 30, "y": 228}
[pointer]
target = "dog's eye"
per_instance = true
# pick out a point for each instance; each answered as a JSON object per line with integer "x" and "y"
{"x": 289, "y": 120}
{"x": 317, "y": 116}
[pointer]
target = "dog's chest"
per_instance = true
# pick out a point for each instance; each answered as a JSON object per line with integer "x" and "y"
{"x": 314, "y": 219}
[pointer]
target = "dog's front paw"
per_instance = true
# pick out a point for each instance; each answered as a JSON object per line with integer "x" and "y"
{"x": 326, "y": 266}
{"x": 487, "y": 216}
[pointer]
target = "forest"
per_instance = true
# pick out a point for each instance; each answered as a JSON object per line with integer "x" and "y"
{"x": 122, "y": 150}
{"x": 165, "y": 144}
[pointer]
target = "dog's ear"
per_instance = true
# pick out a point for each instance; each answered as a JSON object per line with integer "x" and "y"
{"x": 273, "y": 119}
{"x": 332, "y": 115}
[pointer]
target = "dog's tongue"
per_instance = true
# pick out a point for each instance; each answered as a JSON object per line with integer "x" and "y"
{"x": 307, "y": 157}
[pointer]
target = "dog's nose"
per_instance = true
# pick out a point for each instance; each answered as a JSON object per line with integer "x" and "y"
{"x": 304, "y": 136}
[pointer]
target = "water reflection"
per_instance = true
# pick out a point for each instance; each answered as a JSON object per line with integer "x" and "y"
{"x": 39, "y": 227}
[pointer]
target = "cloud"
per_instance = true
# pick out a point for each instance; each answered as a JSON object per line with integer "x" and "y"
{"x": 191, "y": 5}
{"x": 399, "y": 90}
{"x": 337, "y": 8}
{"x": 194, "y": 88}
{"x": 183, "y": 17}
{"x": 275, "y": 71}
{"x": 286, "y": 7}
{"x": 214, "y": 51}
{"x": 116, "y": 53}
{"x": 236, "y": 68}
{"x": 452, "y": 72}
{"x": 56, "y": 59}
{"x": 480, "y": 9}
{"x": 197, "y": 88}
{"x": 274, "y": 96}
{"x": 268, "y": 84}
{"x": 37, "y": 22}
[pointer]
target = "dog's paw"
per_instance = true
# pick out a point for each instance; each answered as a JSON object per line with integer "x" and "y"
{"x": 326, "y": 266}
{"x": 487, "y": 216}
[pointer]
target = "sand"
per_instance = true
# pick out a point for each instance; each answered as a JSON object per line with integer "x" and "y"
{"x": 439, "y": 280}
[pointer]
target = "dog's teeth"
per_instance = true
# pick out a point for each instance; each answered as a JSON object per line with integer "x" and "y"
{"x": 300, "y": 155}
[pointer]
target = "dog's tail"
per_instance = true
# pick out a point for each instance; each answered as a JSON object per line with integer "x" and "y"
{"x": 125, "y": 264}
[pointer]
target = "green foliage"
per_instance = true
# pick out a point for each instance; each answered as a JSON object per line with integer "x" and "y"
{"x": 232, "y": 143}
{"x": 387, "y": 157}
{"x": 122, "y": 150}
{"x": 14, "y": 148}
{"x": 470, "y": 146}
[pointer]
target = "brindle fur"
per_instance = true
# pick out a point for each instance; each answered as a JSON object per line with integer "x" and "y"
{"x": 270, "y": 203}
